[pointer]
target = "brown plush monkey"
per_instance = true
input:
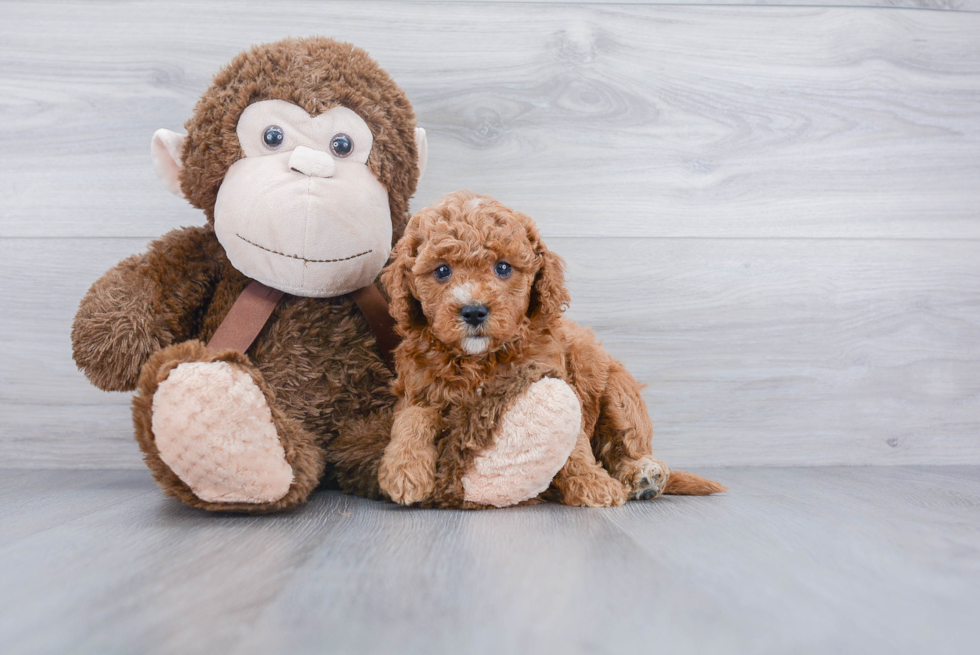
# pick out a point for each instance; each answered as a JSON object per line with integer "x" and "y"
{"x": 303, "y": 155}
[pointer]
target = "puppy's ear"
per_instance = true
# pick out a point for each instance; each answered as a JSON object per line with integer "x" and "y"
{"x": 549, "y": 297}
{"x": 405, "y": 308}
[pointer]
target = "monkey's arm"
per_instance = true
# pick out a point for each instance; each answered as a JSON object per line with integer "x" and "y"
{"x": 143, "y": 304}
{"x": 408, "y": 468}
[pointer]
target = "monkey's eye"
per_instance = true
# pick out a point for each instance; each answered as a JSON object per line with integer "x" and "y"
{"x": 273, "y": 137}
{"x": 442, "y": 272}
{"x": 341, "y": 145}
{"x": 502, "y": 269}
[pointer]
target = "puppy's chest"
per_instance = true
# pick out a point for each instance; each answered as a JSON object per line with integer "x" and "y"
{"x": 448, "y": 394}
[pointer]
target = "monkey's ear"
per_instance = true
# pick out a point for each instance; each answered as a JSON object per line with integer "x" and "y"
{"x": 422, "y": 145}
{"x": 165, "y": 149}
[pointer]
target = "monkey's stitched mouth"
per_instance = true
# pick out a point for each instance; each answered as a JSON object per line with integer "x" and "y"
{"x": 311, "y": 261}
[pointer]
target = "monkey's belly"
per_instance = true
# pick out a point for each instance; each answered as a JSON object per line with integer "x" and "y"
{"x": 319, "y": 357}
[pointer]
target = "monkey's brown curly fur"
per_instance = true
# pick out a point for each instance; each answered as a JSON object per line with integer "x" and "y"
{"x": 316, "y": 360}
{"x": 526, "y": 339}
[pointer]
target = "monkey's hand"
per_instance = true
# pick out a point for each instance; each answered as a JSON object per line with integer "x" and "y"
{"x": 116, "y": 329}
{"x": 144, "y": 304}
{"x": 407, "y": 473}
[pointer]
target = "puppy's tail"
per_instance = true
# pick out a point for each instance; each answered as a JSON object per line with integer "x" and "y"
{"x": 682, "y": 483}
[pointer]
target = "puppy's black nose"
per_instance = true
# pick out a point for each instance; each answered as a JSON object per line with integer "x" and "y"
{"x": 474, "y": 314}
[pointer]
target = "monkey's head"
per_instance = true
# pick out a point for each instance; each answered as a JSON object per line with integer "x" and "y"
{"x": 303, "y": 154}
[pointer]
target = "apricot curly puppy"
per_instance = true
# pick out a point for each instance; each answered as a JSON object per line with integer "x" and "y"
{"x": 478, "y": 300}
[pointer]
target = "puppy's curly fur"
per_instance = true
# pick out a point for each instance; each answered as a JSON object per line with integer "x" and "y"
{"x": 455, "y": 380}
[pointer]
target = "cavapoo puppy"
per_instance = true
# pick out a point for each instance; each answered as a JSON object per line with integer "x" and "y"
{"x": 501, "y": 399}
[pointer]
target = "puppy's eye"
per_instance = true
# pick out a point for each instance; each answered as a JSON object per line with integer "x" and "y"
{"x": 341, "y": 145}
{"x": 442, "y": 272}
{"x": 502, "y": 269}
{"x": 273, "y": 137}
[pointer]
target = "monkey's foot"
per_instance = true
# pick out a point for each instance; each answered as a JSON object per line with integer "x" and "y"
{"x": 644, "y": 478}
{"x": 213, "y": 436}
{"x": 531, "y": 444}
{"x": 215, "y": 430}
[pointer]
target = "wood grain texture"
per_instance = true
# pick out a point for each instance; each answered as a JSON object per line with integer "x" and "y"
{"x": 840, "y": 560}
{"x": 929, "y": 5}
{"x": 769, "y": 213}
{"x": 755, "y": 351}
{"x": 32, "y": 501}
{"x": 939, "y": 5}
{"x": 596, "y": 119}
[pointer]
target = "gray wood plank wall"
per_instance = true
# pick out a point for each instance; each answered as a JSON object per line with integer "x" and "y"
{"x": 770, "y": 213}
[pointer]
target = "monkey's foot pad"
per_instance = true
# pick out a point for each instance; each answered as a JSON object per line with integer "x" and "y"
{"x": 532, "y": 443}
{"x": 214, "y": 429}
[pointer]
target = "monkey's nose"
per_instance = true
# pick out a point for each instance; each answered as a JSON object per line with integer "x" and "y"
{"x": 314, "y": 163}
{"x": 475, "y": 315}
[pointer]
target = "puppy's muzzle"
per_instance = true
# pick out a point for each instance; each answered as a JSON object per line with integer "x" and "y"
{"x": 475, "y": 315}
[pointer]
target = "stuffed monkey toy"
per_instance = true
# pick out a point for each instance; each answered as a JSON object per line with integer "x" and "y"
{"x": 258, "y": 342}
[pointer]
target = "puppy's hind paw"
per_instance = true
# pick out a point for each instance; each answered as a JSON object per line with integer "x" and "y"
{"x": 645, "y": 478}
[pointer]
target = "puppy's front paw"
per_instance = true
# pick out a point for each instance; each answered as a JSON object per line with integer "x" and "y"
{"x": 407, "y": 478}
{"x": 645, "y": 478}
{"x": 593, "y": 489}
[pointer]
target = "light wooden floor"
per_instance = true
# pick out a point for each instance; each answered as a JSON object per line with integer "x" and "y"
{"x": 816, "y": 560}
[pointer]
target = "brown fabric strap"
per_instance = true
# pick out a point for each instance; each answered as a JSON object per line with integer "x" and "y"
{"x": 255, "y": 305}
{"x": 246, "y": 318}
{"x": 375, "y": 309}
